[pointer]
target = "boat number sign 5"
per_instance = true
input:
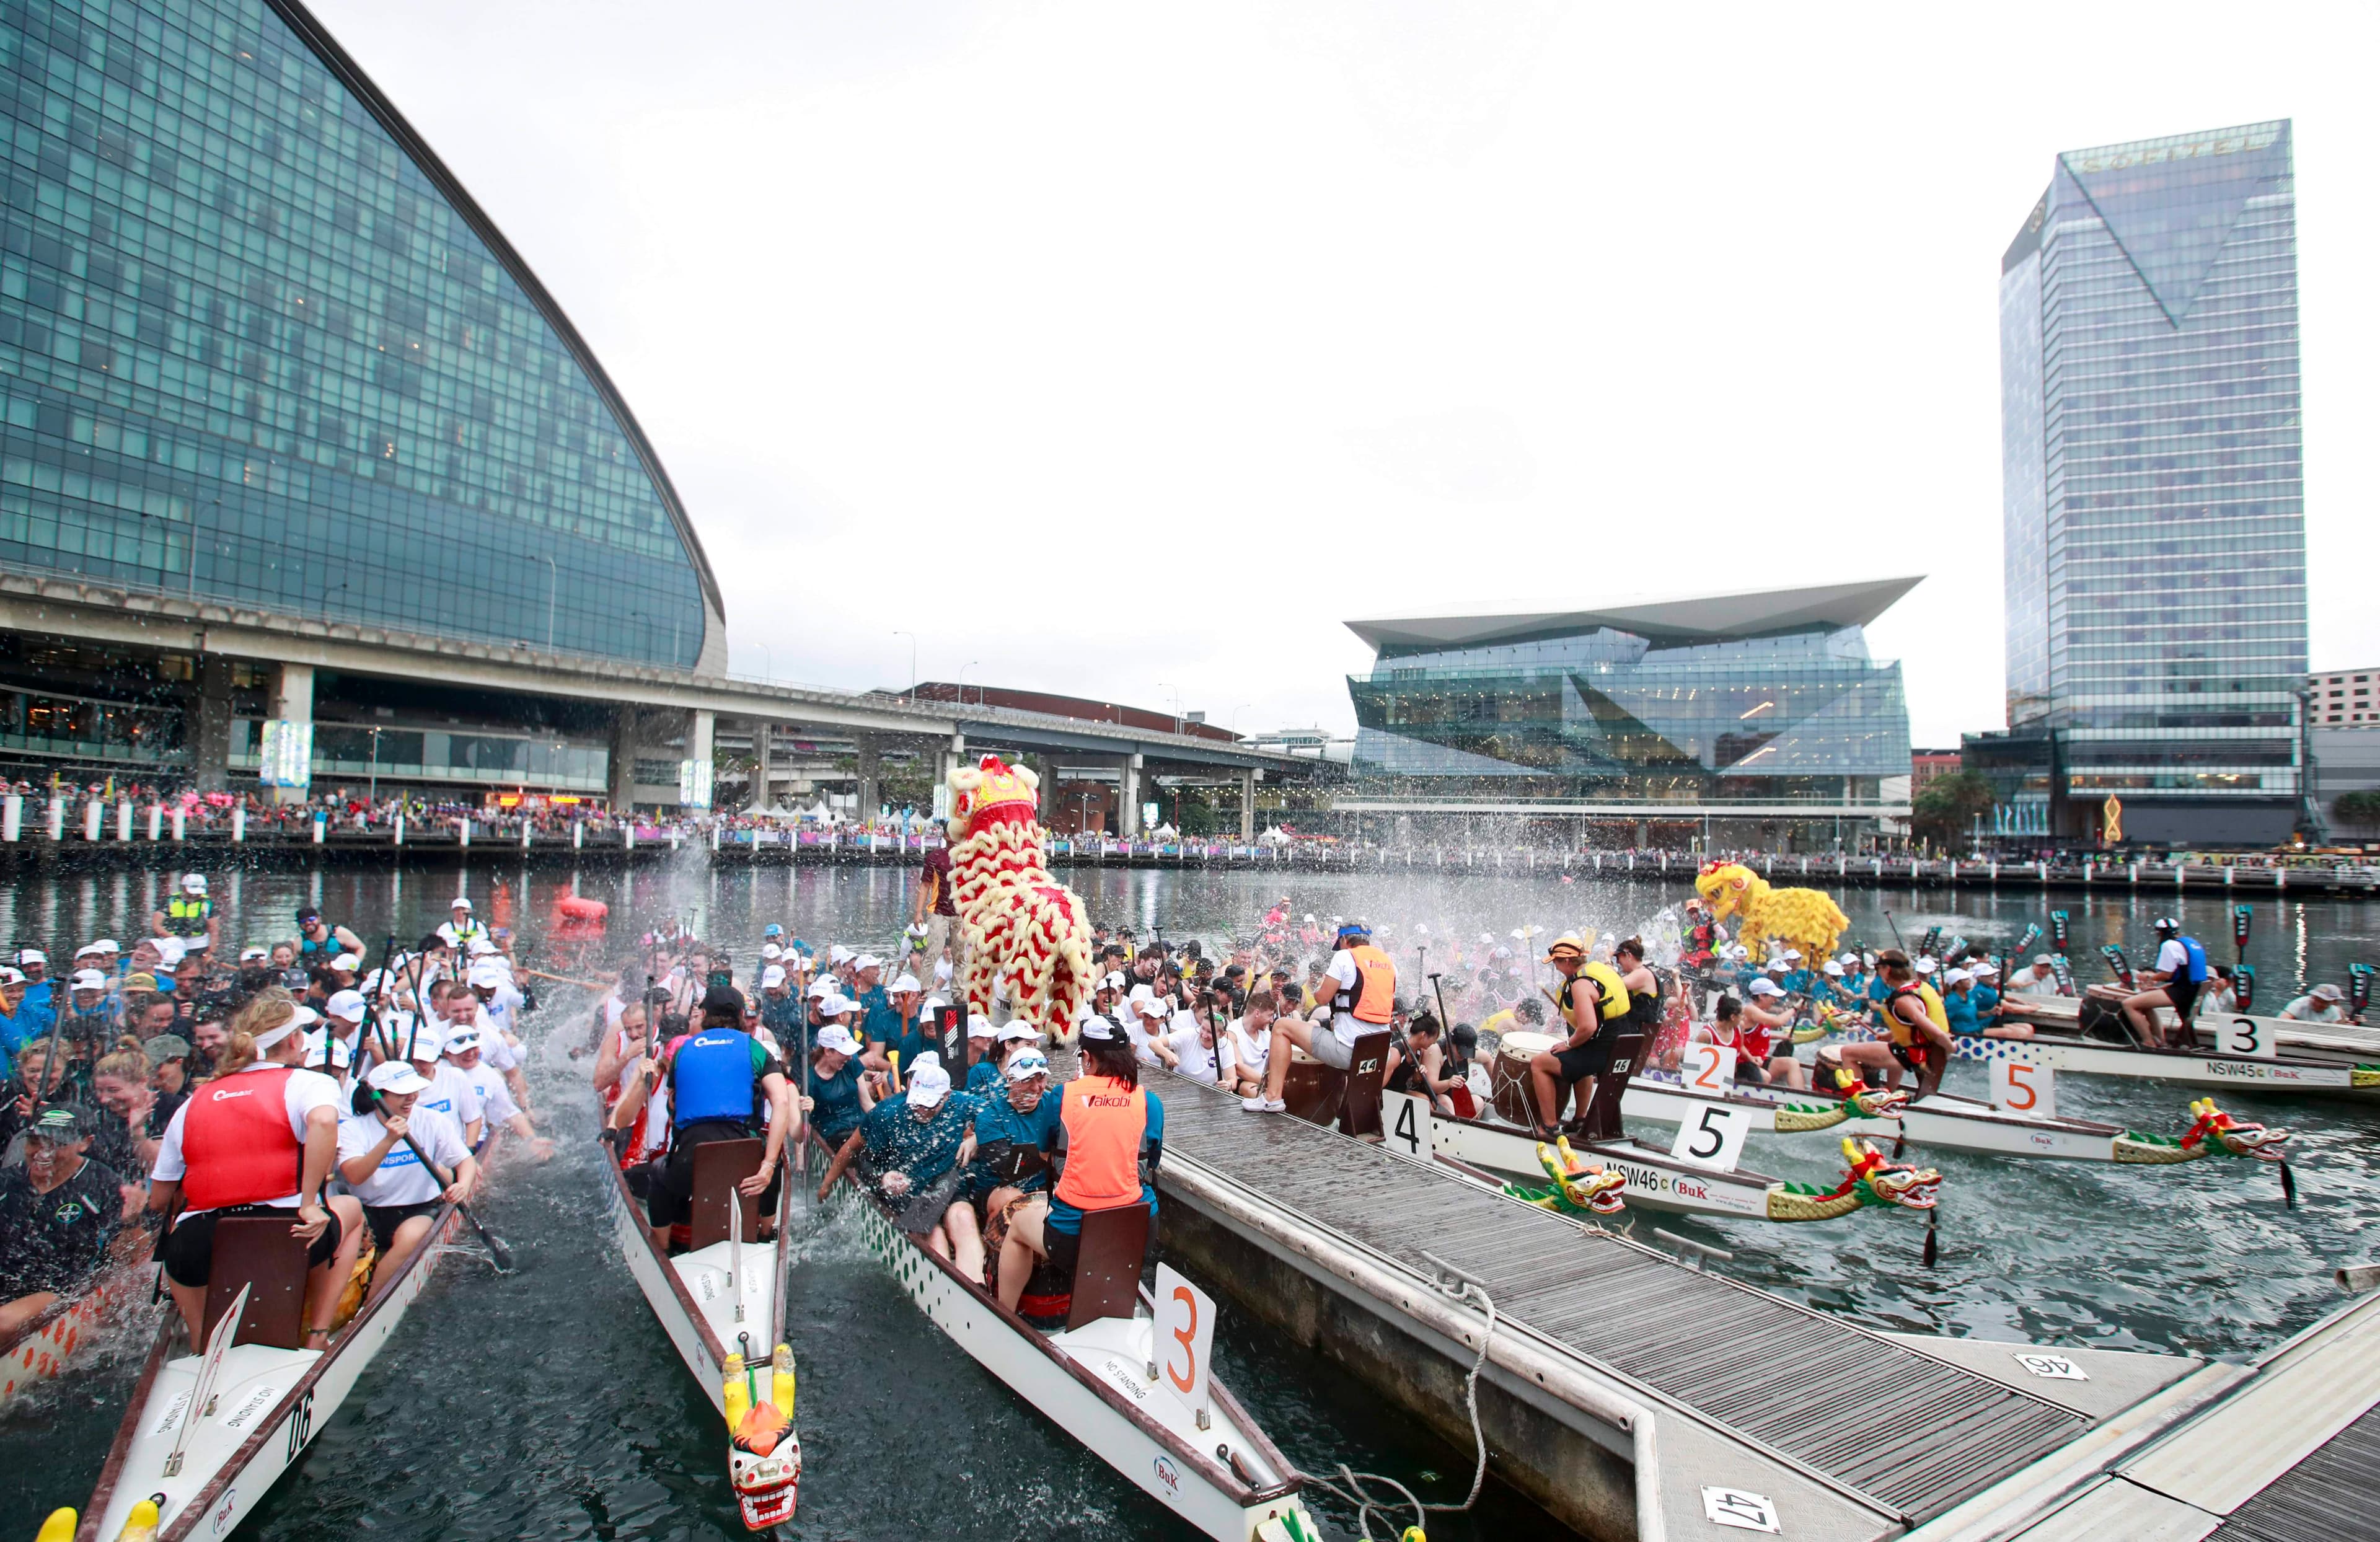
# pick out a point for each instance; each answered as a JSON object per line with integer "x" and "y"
{"x": 1408, "y": 1124}
{"x": 1713, "y": 1138}
{"x": 2241, "y": 1035}
{"x": 1708, "y": 1070}
{"x": 1742, "y": 1509}
{"x": 2022, "y": 1087}
{"x": 1181, "y": 1338}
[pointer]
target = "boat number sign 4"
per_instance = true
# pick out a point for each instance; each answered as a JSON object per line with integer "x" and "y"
{"x": 1408, "y": 1123}
{"x": 1713, "y": 1138}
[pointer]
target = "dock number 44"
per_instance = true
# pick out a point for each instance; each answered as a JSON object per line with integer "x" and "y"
{"x": 1742, "y": 1509}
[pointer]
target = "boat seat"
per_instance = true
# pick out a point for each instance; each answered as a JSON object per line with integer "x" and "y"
{"x": 1602, "y": 1110}
{"x": 1313, "y": 1091}
{"x": 258, "y": 1252}
{"x": 1368, "y": 1065}
{"x": 1107, "y": 1267}
{"x": 718, "y": 1166}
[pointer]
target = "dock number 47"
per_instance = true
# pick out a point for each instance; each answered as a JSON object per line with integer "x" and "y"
{"x": 1744, "y": 1512}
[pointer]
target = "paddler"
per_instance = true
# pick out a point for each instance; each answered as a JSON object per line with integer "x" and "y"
{"x": 259, "y": 1139}
{"x": 1913, "y": 1039}
{"x": 1362, "y": 985}
{"x": 1111, "y": 1134}
{"x": 2180, "y": 974}
{"x": 1417, "y": 1063}
{"x": 57, "y": 1211}
{"x": 717, "y": 1079}
{"x": 836, "y": 1096}
{"x": 399, "y": 1196}
{"x": 918, "y": 1142}
{"x": 1014, "y": 1136}
{"x": 1585, "y": 993}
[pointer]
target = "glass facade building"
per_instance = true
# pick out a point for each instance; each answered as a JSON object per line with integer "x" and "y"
{"x": 2154, "y": 496}
{"x": 1759, "y": 699}
{"x": 258, "y": 346}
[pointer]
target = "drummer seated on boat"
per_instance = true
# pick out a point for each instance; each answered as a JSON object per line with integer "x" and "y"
{"x": 259, "y": 1139}
{"x": 57, "y": 1211}
{"x": 917, "y": 1142}
{"x": 1360, "y": 983}
{"x": 718, "y": 1078}
{"x": 400, "y": 1196}
{"x": 1912, "y": 1039}
{"x": 2180, "y": 974}
{"x": 1109, "y": 1138}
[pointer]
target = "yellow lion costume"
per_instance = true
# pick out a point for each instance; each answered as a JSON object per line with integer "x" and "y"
{"x": 1803, "y": 918}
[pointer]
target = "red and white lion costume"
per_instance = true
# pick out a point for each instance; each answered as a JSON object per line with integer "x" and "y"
{"x": 1022, "y": 928}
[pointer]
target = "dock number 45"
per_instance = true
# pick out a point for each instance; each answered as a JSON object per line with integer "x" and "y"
{"x": 1744, "y": 1512}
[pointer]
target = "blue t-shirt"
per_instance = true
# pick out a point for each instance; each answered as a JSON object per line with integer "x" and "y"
{"x": 1796, "y": 982}
{"x": 924, "y": 1151}
{"x": 1066, "y": 1217}
{"x": 1959, "y": 1007}
{"x": 996, "y": 1119}
{"x": 1877, "y": 991}
{"x": 835, "y": 1110}
{"x": 984, "y": 1077}
{"x": 1987, "y": 1003}
{"x": 876, "y": 1018}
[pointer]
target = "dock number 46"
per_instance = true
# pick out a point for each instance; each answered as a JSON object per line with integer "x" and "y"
{"x": 1744, "y": 1510}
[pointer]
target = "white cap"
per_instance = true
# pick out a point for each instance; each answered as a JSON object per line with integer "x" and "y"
{"x": 1016, "y": 1030}
{"x": 11, "y": 975}
{"x": 908, "y": 983}
{"x": 1114, "y": 981}
{"x": 2327, "y": 993}
{"x": 250, "y": 956}
{"x": 981, "y": 1027}
{"x": 820, "y": 989}
{"x": 773, "y": 974}
{"x": 396, "y": 1076}
{"x": 86, "y": 950}
{"x": 932, "y": 1003}
{"x": 1849, "y": 960}
{"x": 480, "y": 947}
{"x": 1834, "y": 968}
{"x": 323, "y": 1050}
{"x": 1151, "y": 1006}
{"x": 837, "y": 1005}
{"x": 1765, "y": 988}
{"x": 88, "y": 979}
{"x": 867, "y": 960}
{"x": 488, "y": 975}
{"x": 1957, "y": 976}
{"x": 769, "y": 950}
{"x": 461, "y": 902}
{"x": 838, "y": 954}
{"x": 1924, "y": 967}
{"x": 928, "y": 1083}
{"x": 1792, "y": 955}
{"x": 349, "y": 962}
{"x": 377, "y": 980}
{"x": 302, "y": 1019}
{"x": 2043, "y": 960}
{"x": 347, "y": 1006}
{"x": 835, "y": 1036}
{"x": 105, "y": 945}
{"x": 462, "y": 1038}
{"x": 1984, "y": 970}
{"x": 33, "y": 955}
{"x": 1027, "y": 1063}
{"x": 194, "y": 884}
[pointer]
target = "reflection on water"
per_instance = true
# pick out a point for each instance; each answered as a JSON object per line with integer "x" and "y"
{"x": 549, "y": 1405}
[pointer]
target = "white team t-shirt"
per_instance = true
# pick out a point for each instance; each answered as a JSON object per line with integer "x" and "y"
{"x": 303, "y": 1093}
{"x": 401, "y": 1178}
{"x": 1244, "y": 1053}
{"x": 2172, "y": 958}
{"x": 1196, "y": 1060}
{"x": 451, "y": 1093}
{"x": 1341, "y": 972}
{"x": 496, "y": 1098}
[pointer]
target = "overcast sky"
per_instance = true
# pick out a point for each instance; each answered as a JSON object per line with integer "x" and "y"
{"x": 1125, "y": 350}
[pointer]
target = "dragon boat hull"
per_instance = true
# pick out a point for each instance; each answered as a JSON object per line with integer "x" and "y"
{"x": 268, "y": 1403}
{"x": 1945, "y": 1122}
{"x": 2304, "y": 1075}
{"x": 1092, "y": 1383}
{"x": 2066, "y": 1012}
{"x": 1657, "y": 1181}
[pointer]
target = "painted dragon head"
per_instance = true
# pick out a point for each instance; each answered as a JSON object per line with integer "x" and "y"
{"x": 2212, "y": 1126}
{"x": 1583, "y": 1187}
{"x": 764, "y": 1465}
{"x": 1730, "y": 887}
{"x": 1912, "y": 1188}
{"x": 991, "y": 792}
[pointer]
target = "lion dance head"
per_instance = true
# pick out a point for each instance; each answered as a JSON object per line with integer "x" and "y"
{"x": 1803, "y": 918}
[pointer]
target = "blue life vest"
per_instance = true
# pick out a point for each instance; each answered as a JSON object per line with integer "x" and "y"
{"x": 2195, "y": 970}
{"x": 712, "y": 1078}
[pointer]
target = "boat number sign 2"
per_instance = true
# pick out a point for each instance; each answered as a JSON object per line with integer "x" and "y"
{"x": 1708, "y": 1070}
{"x": 1712, "y": 1136}
{"x": 1742, "y": 1509}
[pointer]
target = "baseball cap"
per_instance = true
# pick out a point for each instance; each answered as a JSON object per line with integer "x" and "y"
{"x": 1151, "y": 1006}
{"x": 867, "y": 960}
{"x": 165, "y": 1046}
{"x": 32, "y": 955}
{"x": 1114, "y": 981}
{"x": 723, "y": 998}
{"x": 835, "y": 1036}
{"x": 772, "y": 929}
{"x": 1957, "y": 976}
{"x": 836, "y": 1003}
{"x": 396, "y": 1076}
{"x": 928, "y": 1083}
{"x": 322, "y": 1048}
{"x": 254, "y": 956}
{"x": 488, "y": 975}
{"x": 1982, "y": 970}
{"x": 773, "y": 974}
{"x": 820, "y": 989}
{"x": 1016, "y": 1030}
{"x": 307, "y": 913}
{"x": 349, "y": 962}
{"x": 88, "y": 979}
{"x": 11, "y": 975}
{"x": 480, "y": 948}
{"x": 2044, "y": 959}
{"x": 906, "y": 982}
{"x": 1833, "y": 968}
{"x": 2329, "y": 992}
{"x": 1792, "y": 956}
{"x": 1760, "y": 987}
{"x": 838, "y": 954}
{"x": 347, "y": 1006}
{"x": 460, "y": 902}
{"x": 771, "y": 950}
{"x": 462, "y": 1038}
{"x": 1026, "y": 1063}
{"x": 1102, "y": 1029}
{"x": 194, "y": 884}
{"x": 55, "y": 1122}
{"x": 107, "y": 945}
{"x": 981, "y": 1027}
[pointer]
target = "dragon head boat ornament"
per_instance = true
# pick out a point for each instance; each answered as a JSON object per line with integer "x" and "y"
{"x": 2212, "y": 1132}
{"x": 1858, "y": 1100}
{"x": 1870, "y": 1180}
{"x": 1580, "y": 1187}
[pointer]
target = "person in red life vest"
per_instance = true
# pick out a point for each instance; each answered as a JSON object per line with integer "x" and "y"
{"x": 1764, "y": 1038}
{"x": 1360, "y": 981}
{"x": 260, "y": 1138}
{"x": 1110, "y": 1133}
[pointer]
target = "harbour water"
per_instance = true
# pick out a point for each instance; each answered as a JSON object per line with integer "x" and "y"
{"x": 548, "y": 1404}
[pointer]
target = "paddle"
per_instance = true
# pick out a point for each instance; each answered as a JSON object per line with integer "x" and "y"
{"x": 497, "y": 1250}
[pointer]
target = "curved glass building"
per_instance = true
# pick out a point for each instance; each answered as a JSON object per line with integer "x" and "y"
{"x": 1766, "y": 699}
{"x": 258, "y": 346}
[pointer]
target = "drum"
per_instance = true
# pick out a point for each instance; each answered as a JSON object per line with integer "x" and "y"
{"x": 1509, "y": 1074}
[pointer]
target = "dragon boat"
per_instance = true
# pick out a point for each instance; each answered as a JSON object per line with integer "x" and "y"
{"x": 2304, "y": 1073}
{"x": 721, "y": 1302}
{"x": 1096, "y": 1368}
{"x": 43, "y": 1346}
{"x": 211, "y": 1428}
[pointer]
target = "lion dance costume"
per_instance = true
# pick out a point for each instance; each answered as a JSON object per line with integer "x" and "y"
{"x": 1803, "y": 918}
{"x": 1023, "y": 930}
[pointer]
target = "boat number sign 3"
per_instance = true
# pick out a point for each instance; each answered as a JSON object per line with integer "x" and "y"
{"x": 1181, "y": 1339}
{"x": 2241, "y": 1035}
{"x": 1713, "y": 1138}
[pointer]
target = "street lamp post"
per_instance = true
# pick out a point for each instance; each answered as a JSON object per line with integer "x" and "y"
{"x": 913, "y": 658}
{"x": 979, "y": 690}
{"x": 1169, "y": 685}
